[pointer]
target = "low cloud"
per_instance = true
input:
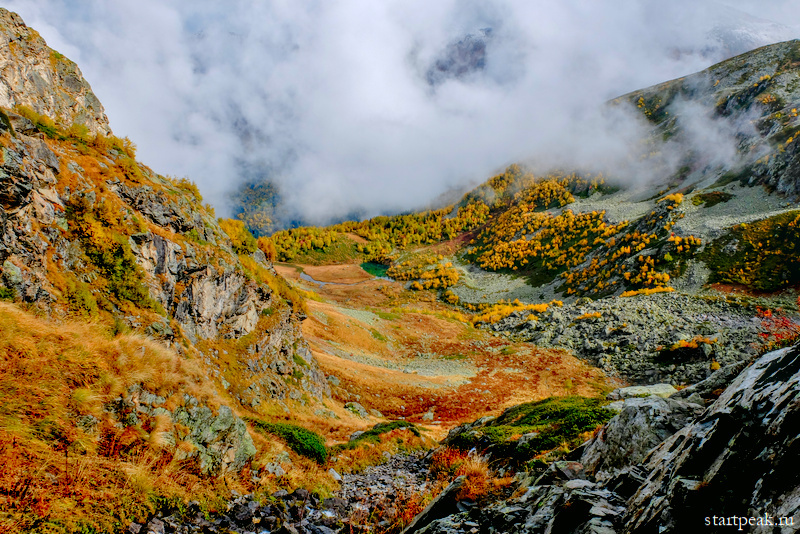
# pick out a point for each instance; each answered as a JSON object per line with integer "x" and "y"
{"x": 372, "y": 107}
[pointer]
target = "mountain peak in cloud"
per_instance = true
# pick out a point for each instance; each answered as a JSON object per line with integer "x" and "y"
{"x": 461, "y": 58}
{"x": 737, "y": 32}
{"x": 721, "y": 31}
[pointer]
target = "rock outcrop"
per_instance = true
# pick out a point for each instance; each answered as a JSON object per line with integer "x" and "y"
{"x": 34, "y": 75}
{"x": 217, "y": 440}
{"x": 736, "y": 460}
{"x": 642, "y": 424}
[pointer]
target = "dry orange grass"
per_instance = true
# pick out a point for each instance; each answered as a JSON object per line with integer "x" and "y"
{"x": 392, "y": 514}
{"x": 507, "y": 373}
{"x": 300, "y": 472}
{"x": 67, "y": 465}
{"x": 340, "y": 274}
{"x": 481, "y": 484}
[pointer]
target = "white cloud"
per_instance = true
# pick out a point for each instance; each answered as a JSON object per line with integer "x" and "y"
{"x": 330, "y": 99}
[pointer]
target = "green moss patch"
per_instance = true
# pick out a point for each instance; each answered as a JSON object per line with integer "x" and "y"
{"x": 301, "y": 440}
{"x": 373, "y": 435}
{"x": 711, "y": 199}
{"x": 377, "y": 335}
{"x": 7, "y": 294}
{"x": 549, "y": 423}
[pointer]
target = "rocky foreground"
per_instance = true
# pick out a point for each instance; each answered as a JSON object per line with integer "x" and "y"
{"x": 375, "y": 491}
{"x": 668, "y": 465}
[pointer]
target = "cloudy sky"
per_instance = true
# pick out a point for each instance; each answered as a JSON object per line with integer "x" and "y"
{"x": 357, "y": 105}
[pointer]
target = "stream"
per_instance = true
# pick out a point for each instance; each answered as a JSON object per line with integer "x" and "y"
{"x": 308, "y": 278}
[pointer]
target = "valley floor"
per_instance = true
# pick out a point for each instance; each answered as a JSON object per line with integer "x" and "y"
{"x": 403, "y": 356}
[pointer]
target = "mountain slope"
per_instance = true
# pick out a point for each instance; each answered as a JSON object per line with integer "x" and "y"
{"x": 138, "y": 330}
{"x": 747, "y": 104}
{"x": 151, "y": 354}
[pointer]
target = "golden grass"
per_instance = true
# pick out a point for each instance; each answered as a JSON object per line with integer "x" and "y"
{"x": 481, "y": 484}
{"x": 301, "y": 472}
{"x": 67, "y": 466}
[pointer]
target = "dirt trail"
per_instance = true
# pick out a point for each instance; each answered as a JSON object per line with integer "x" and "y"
{"x": 396, "y": 351}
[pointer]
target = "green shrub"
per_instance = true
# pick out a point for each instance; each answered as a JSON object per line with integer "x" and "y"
{"x": 108, "y": 250}
{"x": 80, "y": 299}
{"x": 43, "y": 123}
{"x": 187, "y": 186}
{"x": 377, "y": 335}
{"x": 7, "y": 123}
{"x": 79, "y": 132}
{"x": 299, "y": 439}
{"x": 763, "y": 255}
{"x": 7, "y": 294}
{"x": 711, "y": 199}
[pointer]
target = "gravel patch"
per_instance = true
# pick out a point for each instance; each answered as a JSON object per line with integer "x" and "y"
{"x": 361, "y": 315}
{"x": 625, "y": 340}
{"x": 625, "y": 205}
{"x": 423, "y": 364}
{"x": 477, "y": 285}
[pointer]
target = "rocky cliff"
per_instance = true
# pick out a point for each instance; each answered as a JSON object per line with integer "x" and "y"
{"x": 34, "y": 75}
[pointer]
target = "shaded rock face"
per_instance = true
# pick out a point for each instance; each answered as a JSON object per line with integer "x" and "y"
{"x": 642, "y": 424}
{"x": 460, "y": 59}
{"x": 739, "y": 458}
{"x": 33, "y": 75}
{"x": 206, "y": 304}
{"x": 27, "y": 198}
{"x": 175, "y": 214}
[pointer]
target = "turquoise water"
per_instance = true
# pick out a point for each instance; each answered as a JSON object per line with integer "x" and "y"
{"x": 375, "y": 269}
